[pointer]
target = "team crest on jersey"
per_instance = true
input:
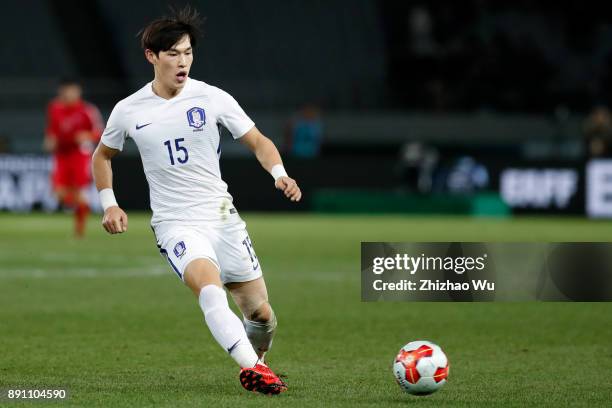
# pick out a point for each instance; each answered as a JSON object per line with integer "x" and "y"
{"x": 179, "y": 249}
{"x": 196, "y": 117}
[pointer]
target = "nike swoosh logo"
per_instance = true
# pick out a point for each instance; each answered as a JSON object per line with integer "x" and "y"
{"x": 141, "y": 126}
{"x": 229, "y": 350}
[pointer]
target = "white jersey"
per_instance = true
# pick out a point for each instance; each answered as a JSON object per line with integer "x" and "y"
{"x": 178, "y": 140}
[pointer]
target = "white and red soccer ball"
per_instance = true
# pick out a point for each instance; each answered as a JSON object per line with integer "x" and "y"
{"x": 420, "y": 367}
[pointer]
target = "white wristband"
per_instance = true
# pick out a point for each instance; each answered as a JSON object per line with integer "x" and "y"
{"x": 107, "y": 198}
{"x": 278, "y": 171}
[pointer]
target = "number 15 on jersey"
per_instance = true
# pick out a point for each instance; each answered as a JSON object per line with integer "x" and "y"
{"x": 182, "y": 155}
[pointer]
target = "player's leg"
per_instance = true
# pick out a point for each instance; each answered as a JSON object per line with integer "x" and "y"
{"x": 241, "y": 273}
{"x": 192, "y": 257}
{"x": 59, "y": 179}
{"x": 81, "y": 211}
{"x": 81, "y": 177}
{"x": 259, "y": 318}
{"x": 203, "y": 278}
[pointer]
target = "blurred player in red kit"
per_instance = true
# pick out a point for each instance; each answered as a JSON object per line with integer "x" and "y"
{"x": 73, "y": 128}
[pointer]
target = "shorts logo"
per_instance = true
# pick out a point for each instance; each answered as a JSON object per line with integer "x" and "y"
{"x": 196, "y": 117}
{"x": 180, "y": 249}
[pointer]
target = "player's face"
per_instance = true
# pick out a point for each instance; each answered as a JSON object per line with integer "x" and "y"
{"x": 70, "y": 93}
{"x": 172, "y": 66}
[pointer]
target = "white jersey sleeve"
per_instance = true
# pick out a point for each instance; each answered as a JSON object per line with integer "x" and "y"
{"x": 115, "y": 133}
{"x": 232, "y": 116}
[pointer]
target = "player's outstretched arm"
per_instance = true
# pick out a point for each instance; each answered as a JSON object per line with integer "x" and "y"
{"x": 115, "y": 220}
{"x": 270, "y": 159}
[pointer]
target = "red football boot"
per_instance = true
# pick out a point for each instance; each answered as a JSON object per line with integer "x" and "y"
{"x": 261, "y": 379}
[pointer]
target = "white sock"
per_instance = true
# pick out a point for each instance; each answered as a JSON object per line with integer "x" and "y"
{"x": 225, "y": 326}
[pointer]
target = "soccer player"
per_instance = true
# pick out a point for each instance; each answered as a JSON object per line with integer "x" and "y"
{"x": 73, "y": 128}
{"x": 174, "y": 122}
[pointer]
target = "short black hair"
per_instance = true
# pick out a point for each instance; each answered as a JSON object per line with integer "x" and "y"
{"x": 68, "y": 80}
{"x": 163, "y": 33}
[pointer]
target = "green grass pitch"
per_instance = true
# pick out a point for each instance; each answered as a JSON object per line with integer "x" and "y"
{"x": 108, "y": 319}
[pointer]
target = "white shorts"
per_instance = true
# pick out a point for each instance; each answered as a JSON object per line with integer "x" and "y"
{"x": 228, "y": 246}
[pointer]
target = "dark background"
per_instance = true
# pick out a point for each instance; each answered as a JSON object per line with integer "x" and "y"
{"x": 403, "y": 90}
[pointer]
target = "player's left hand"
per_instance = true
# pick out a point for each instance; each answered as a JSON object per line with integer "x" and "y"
{"x": 289, "y": 188}
{"x": 50, "y": 144}
{"x": 83, "y": 138}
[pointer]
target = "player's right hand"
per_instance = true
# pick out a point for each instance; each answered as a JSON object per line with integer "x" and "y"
{"x": 289, "y": 187}
{"x": 115, "y": 220}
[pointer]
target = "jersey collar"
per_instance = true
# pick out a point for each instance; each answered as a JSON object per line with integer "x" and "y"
{"x": 149, "y": 90}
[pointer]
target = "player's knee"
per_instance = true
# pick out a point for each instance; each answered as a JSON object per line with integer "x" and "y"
{"x": 263, "y": 313}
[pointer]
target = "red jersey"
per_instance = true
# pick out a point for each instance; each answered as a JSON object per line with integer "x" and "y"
{"x": 64, "y": 122}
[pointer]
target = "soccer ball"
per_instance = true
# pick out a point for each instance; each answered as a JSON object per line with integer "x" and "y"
{"x": 420, "y": 367}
